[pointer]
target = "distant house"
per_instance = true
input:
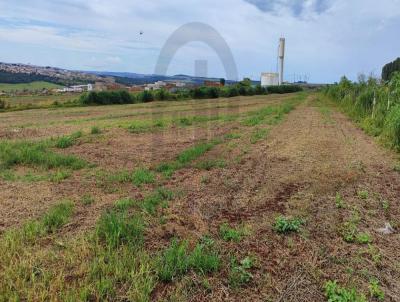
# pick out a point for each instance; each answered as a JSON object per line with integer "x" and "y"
{"x": 212, "y": 84}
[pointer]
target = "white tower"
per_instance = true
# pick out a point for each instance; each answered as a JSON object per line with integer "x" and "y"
{"x": 281, "y": 56}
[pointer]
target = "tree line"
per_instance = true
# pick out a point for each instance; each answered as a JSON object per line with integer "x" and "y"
{"x": 124, "y": 97}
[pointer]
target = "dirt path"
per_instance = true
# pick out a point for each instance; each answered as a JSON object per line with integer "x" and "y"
{"x": 297, "y": 171}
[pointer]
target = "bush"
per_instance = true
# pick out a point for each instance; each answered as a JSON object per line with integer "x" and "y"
{"x": 107, "y": 98}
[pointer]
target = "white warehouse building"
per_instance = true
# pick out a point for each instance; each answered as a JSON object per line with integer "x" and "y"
{"x": 269, "y": 79}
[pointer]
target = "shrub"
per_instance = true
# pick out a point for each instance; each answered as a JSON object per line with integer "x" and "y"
{"x": 335, "y": 293}
{"x": 284, "y": 225}
{"x": 107, "y": 98}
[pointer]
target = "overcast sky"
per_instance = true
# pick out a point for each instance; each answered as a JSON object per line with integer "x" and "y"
{"x": 325, "y": 38}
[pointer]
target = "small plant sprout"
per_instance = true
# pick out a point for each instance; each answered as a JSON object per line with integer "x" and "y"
{"x": 363, "y": 238}
{"x": 363, "y": 194}
{"x": 336, "y": 293}
{"x": 240, "y": 274}
{"x": 230, "y": 234}
{"x": 339, "y": 201}
{"x": 95, "y": 130}
{"x": 284, "y": 225}
{"x": 375, "y": 290}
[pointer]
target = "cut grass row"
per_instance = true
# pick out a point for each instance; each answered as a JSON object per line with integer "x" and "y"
{"x": 112, "y": 263}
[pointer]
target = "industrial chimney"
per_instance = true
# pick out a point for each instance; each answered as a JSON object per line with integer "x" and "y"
{"x": 281, "y": 55}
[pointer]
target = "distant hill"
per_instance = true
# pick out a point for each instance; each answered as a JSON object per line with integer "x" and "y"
{"x": 32, "y": 86}
{"x": 14, "y": 73}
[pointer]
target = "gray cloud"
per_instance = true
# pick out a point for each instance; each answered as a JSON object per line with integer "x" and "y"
{"x": 297, "y": 7}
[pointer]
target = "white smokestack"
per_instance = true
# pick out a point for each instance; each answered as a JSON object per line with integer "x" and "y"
{"x": 281, "y": 58}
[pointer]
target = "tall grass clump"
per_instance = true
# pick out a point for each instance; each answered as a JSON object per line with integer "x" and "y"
{"x": 177, "y": 260}
{"x": 373, "y": 104}
{"x": 118, "y": 228}
{"x": 35, "y": 154}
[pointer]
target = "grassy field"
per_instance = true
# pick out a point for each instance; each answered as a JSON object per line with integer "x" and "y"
{"x": 40, "y": 85}
{"x": 263, "y": 198}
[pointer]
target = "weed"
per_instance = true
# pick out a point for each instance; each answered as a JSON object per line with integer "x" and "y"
{"x": 142, "y": 176}
{"x": 258, "y": 135}
{"x": 339, "y": 201}
{"x": 67, "y": 141}
{"x": 385, "y": 205}
{"x": 57, "y": 216}
{"x": 363, "y": 194}
{"x": 336, "y": 293}
{"x": 124, "y": 204}
{"x": 203, "y": 260}
{"x": 239, "y": 274}
{"x": 363, "y": 238}
{"x": 176, "y": 260}
{"x": 349, "y": 231}
{"x": 375, "y": 254}
{"x": 117, "y": 228}
{"x": 230, "y": 234}
{"x": 375, "y": 290}
{"x": 87, "y": 199}
{"x": 95, "y": 130}
{"x": 284, "y": 225}
{"x": 152, "y": 201}
{"x": 231, "y": 136}
{"x": 59, "y": 176}
{"x": 185, "y": 157}
{"x": 210, "y": 164}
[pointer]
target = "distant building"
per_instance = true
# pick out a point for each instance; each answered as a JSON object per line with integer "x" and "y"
{"x": 157, "y": 85}
{"x": 212, "y": 84}
{"x": 269, "y": 79}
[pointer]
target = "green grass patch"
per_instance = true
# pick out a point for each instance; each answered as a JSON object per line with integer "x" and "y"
{"x": 124, "y": 204}
{"x": 57, "y": 216}
{"x": 118, "y": 228}
{"x": 186, "y": 156}
{"x": 152, "y": 201}
{"x": 209, "y": 164}
{"x": 95, "y": 130}
{"x": 177, "y": 260}
{"x": 228, "y": 233}
{"x": 258, "y": 135}
{"x": 67, "y": 141}
{"x": 35, "y": 154}
{"x": 142, "y": 176}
